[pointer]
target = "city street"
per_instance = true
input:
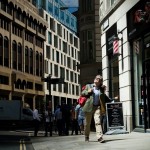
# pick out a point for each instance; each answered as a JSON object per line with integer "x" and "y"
{"x": 25, "y": 141}
{"x": 134, "y": 140}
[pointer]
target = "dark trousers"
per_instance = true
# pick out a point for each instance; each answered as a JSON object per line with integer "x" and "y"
{"x": 36, "y": 126}
{"x": 48, "y": 128}
{"x": 75, "y": 126}
{"x": 103, "y": 119}
{"x": 59, "y": 126}
{"x": 65, "y": 126}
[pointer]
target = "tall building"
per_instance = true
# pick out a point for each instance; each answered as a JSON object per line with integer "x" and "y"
{"x": 37, "y": 42}
{"x": 126, "y": 74}
{"x": 61, "y": 56}
{"x": 22, "y": 36}
{"x": 90, "y": 45}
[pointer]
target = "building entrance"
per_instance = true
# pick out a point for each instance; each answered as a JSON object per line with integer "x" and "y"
{"x": 146, "y": 93}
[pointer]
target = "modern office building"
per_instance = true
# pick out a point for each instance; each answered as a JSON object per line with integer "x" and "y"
{"x": 90, "y": 45}
{"x": 61, "y": 53}
{"x": 61, "y": 56}
{"x": 59, "y": 11}
{"x": 22, "y": 36}
{"x": 126, "y": 73}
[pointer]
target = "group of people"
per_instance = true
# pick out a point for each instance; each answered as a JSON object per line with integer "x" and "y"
{"x": 81, "y": 117}
{"x": 67, "y": 119}
{"x": 64, "y": 118}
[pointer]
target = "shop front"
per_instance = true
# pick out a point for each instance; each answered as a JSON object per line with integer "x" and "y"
{"x": 113, "y": 63}
{"x": 138, "y": 22}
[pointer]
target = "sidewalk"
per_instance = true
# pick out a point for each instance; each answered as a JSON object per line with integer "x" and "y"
{"x": 130, "y": 141}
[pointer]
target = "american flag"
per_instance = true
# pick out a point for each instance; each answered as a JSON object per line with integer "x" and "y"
{"x": 116, "y": 46}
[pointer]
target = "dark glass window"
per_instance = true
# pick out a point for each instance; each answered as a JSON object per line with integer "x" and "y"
{"x": 14, "y": 55}
{"x": 1, "y": 50}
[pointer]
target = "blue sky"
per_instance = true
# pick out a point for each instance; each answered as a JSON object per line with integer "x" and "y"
{"x": 71, "y": 3}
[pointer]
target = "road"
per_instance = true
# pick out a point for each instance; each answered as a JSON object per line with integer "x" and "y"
{"x": 10, "y": 140}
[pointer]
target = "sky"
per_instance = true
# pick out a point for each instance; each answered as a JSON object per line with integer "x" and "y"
{"x": 71, "y": 3}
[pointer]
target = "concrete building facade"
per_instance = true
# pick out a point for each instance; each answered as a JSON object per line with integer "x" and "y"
{"x": 126, "y": 74}
{"x": 89, "y": 33}
{"x": 34, "y": 45}
{"x": 22, "y": 36}
{"x": 61, "y": 56}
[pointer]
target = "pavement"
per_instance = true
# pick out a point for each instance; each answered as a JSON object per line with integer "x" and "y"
{"x": 128, "y": 141}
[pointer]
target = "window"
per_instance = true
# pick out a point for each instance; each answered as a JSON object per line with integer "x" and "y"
{"x": 3, "y": 6}
{"x": 74, "y": 65}
{"x": 4, "y": 80}
{"x": 1, "y": 50}
{"x": 6, "y": 52}
{"x": 71, "y": 76}
{"x": 34, "y": 2}
{"x": 31, "y": 61}
{"x": 90, "y": 45}
{"x": 62, "y": 72}
{"x": 38, "y": 87}
{"x": 48, "y": 52}
{"x": 109, "y": 4}
{"x": 62, "y": 15}
{"x": 71, "y": 38}
{"x": 52, "y": 24}
{"x": 72, "y": 22}
{"x": 67, "y": 75}
{"x": 9, "y": 10}
{"x": 67, "y": 19}
{"x": 49, "y": 38}
{"x": 55, "y": 41}
{"x": 20, "y": 57}
{"x": 75, "y": 42}
{"x": 57, "y": 11}
{"x": 59, "y": 29}
{"x": 56, "y": 70}
{"x": 64, "y": 47}
{"x": 57, "y": 56}
{"x": 50, "y": 7}
{"x": 73, "y": 90}
{"x": 37, "y": 63}
{"x": 41, "y": 64}
{"x": 14, "y": 55}
{"x": 68, "y": 62}
{"x": 26, "y": 59}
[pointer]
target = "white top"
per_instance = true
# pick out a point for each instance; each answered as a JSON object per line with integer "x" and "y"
{"x": 36, "y": 115}
{"x": 49, "y": 118}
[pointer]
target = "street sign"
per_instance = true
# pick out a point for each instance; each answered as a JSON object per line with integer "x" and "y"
{"x": 53, "y": 80}
{"x": 114, "y": 115}
{"x": 57, "y": 81}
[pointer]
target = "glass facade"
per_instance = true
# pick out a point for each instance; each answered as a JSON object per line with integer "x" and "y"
{"x": 64, "y": 16}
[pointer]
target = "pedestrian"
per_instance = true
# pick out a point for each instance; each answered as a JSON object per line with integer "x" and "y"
{"x": 36, "y": 120}
{"x": 74, "y": 123}
{"x": 94, "y": 106}
{"x": 48, "y": 121}
{"x": 79, "y": 115}
{"x": 65, "y": 118}
{"x": 103, "y": 117}
{"x": 58, "y": 119}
